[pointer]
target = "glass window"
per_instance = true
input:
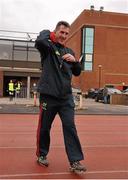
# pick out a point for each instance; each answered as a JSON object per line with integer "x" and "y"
{"x": 31, "y": 44}
{"x": 20, "y": 55}
{"x": 33, "y": 56}
{"x": 18, "y": 50}
{"x": 89, "y": 41}
{"x": 87, "y": 47}
{"x": 5, "y": 50}
{"x": 88, "y": 66}
{"x": 89, "y": 32}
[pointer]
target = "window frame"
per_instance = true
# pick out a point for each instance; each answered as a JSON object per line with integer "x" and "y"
{"x": 83, "y": 48}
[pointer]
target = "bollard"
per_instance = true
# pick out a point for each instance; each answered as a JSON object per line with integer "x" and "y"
{"x": 81, "y": 102}
{"x": 35, "y": 98}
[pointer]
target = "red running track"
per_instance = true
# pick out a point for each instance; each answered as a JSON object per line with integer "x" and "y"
{"x": 104, "y": 140}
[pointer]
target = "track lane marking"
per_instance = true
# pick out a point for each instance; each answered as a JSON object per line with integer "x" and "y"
{"x": 62, "y": 173}
{"x": 84, "y": 146}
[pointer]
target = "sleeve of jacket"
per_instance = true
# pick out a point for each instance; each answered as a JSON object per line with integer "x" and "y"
{"x": 76, "y": 66}
{"x": 42, "y": 41}
{"x": 76, "y": 69}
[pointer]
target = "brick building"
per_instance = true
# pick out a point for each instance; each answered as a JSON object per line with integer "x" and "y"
{"x": 19, "y": 61}
{"x": 102, "y": 38}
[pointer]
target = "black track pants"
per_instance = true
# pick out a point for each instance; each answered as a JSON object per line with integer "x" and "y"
{"x": 65, "y": 108}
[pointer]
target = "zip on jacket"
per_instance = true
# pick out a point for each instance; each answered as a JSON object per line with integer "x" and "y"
{"x": 56, "y": 73}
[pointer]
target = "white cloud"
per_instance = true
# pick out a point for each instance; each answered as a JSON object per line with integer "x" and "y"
{"x": 35, "y": 15}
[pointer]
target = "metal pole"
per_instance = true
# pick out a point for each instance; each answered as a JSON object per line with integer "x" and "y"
{"x": 28, "y": 87}
{"x": 100, "y": 66}
{"x": 81, "y": 102}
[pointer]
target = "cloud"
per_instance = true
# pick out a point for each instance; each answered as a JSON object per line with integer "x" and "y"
{"x": 117, "y": 5}
{"x": 35, "y": 15}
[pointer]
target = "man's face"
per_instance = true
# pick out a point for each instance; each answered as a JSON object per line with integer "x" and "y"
{"x": 61, "y": 34}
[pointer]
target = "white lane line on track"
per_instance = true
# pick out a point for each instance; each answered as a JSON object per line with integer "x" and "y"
{"x": 87, "y": 146}
{"x": 61, "y": 173}
{"x": 81, "y": 133}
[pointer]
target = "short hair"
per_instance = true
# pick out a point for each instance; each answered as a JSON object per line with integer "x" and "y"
{"x": 65, "y": 23}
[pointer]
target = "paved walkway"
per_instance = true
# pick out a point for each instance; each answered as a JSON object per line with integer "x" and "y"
{"x": 27, "y": 106}
{"x": 18, "y": 101}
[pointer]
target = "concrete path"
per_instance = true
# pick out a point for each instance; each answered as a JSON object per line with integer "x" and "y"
{"x": 27, "y": 106}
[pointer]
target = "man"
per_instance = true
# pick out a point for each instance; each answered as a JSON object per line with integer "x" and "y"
{"x": 58, "y": 64}
{"x": 105, "y": 95}
{"x": 11, "y": 90}
{"x": 17, "y": 89}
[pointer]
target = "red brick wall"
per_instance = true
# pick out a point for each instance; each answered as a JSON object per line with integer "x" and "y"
{"x": 110, "y": 48}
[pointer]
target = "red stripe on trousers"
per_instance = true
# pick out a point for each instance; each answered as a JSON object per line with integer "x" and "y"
{"x": 38, "y": 131}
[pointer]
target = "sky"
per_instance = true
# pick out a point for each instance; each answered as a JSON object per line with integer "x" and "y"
{"x": 36, "y": 15}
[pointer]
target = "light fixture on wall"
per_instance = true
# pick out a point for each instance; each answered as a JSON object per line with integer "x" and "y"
{"x": 100, "y": 74}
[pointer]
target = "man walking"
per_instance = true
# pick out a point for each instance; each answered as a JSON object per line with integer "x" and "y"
{"x": 58, "y": 65}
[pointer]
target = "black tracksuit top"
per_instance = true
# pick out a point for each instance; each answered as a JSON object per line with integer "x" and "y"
{"x": 56, "y": 73}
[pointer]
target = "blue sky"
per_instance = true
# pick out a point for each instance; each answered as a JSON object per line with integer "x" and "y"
{"x": 35, "y": 15}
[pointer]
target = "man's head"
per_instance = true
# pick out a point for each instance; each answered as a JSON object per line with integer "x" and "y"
{"x": 62, "y": 31}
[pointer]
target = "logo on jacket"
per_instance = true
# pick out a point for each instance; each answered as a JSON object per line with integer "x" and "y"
{"x": 44, "y": 106}
{"x": 57, "y": 53}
